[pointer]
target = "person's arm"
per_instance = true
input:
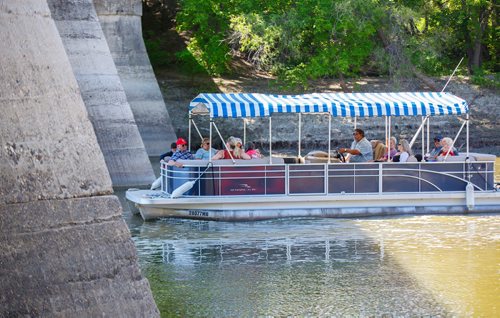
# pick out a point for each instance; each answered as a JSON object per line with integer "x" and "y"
{"x": 175, "y": 163}
{"x": 218, "y": 155}
{"x": 245, "y": 156}
{"x": 354, "y": 152}
{"x": 173, "y": 160}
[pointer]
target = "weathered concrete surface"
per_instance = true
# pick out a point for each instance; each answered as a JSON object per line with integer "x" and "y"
{"x": 64, "y": 251}
{"x": 121, "y": 23}
{"x": 70, "y": 258}
{"x": 102, "y": 92}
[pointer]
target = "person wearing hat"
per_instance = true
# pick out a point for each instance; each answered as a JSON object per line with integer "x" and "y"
{"x": 181, "y": 153}
{"x": 173, "y": 148}
{"x": 436, "y": 150}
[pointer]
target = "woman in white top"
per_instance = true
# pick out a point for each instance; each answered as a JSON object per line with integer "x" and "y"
{"x": 404, "y": 150}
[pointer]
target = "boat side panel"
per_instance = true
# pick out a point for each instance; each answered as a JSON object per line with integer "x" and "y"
{"x": 342, "y": 178}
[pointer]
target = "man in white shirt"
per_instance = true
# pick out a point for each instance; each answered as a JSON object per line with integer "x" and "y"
{"x": 361, "y": 148}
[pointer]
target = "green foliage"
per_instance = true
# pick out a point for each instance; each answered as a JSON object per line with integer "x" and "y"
{"x": 208, "y": 21}
{"x": 157, "y": 55}
{"x": 483, "y": 79}
{"x": 301, "y": 40}
{"x": 188, "y": 63}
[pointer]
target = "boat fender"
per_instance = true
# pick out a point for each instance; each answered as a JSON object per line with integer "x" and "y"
{"x": 182, "y": 189}
{"x": 156, "y": 184}
{"x": 469, "y": 196}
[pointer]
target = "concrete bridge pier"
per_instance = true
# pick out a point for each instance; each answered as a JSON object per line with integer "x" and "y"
{"x": 113, "y": 121}
{"x": 121, "y": 24}
{"x": 65, "y": 250}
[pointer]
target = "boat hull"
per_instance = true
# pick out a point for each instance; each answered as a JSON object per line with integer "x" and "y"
{"x": 156, "y": 204}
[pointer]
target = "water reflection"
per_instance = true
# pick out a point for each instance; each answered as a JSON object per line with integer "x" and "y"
{"x": 276, "y": 268}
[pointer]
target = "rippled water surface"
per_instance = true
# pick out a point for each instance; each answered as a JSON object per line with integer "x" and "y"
{"x": 407, "y": 266}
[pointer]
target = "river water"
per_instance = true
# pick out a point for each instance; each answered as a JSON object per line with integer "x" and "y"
{"x": 399, "y": 266}
{"x": 439, "y": 266}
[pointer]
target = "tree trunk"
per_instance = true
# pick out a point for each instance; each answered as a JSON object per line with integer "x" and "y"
{"x": 478, "y": 45}
{"x": 401, "y": 59}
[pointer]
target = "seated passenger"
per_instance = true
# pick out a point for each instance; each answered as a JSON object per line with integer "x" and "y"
{"x": 205, "y": 152}
{"x": 392, "y": 150}
{"x": 404, "y": 151}
{"x": 361, "y": 148}
{"x": 235, "y": 151}
{"x": 436, "y": 150}
{"x": 447, "y": 146}
{"x": 173, "y": 148}
{"x": 181, "y": 153}
{"x": 251, "y": 151}
{"x": 378, "y": 148}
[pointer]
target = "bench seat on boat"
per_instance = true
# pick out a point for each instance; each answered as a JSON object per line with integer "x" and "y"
{"x": 473, "y": 156}
{"x": 229, "y": 162}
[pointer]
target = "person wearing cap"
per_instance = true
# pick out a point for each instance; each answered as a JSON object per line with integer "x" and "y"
{"x": 181, "y": 153}
{"x": 173, "y": 148}
{"x": 361, "y": 148}
{"x": 437, "y": 148}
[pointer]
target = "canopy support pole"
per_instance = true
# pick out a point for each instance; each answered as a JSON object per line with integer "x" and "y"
{"x": 387, "y": 139}
{"x": 189, "y": 131}
{"x": 428, "y": 135}
{"x": 418, "y": 131}
{"x": 196, "y": 128}
{"x": 270, "y": 142}
{"x": 223, "y": 142}
{"x": 300, "y": 134}
{"x": 210, "y": 136}
{"x": 455, "y": 139}
{"x": 329, "y": 136}
{"x": 467, "y": 135}
{"x": 389, "y": 132}
{"x": 423, "y": 135}
{"x": 244, "y": 131}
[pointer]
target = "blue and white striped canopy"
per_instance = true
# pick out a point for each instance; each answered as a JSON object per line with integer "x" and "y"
{"x": 337, "y": 104}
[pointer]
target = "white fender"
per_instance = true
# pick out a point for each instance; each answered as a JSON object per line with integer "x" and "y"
{"x": 156, "y": 184}
{"x": 469, "y": 196}
{"x": 182, "y": 189}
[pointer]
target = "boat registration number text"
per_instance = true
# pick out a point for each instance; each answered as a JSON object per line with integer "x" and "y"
{"x": 198, "y": 213}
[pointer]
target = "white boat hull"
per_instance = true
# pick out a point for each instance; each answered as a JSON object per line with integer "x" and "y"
{"x": 156, "y": 204}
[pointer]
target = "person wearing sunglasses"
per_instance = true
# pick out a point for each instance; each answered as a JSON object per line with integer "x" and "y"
{"x": 205, "y": 152}
{"x": 361, "y": 148}
{"x": 404, "y": 151}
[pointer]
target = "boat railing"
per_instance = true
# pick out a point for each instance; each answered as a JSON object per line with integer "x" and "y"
{"x": 328, "y": 179}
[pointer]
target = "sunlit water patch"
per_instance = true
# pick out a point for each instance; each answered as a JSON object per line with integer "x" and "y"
{"x": 457, "y": 258}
